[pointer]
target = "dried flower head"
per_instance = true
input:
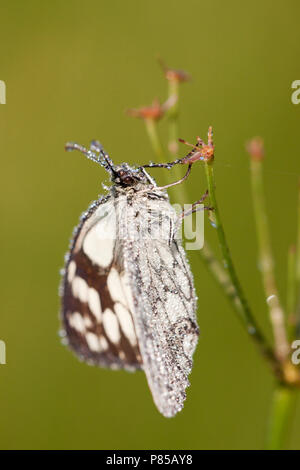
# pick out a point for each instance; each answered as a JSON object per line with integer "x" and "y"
{"x": 153, "y": 112}
{"x": 255, "y": 148}
{"x": 174, "y": 75}
{"x": 201, "y": 151}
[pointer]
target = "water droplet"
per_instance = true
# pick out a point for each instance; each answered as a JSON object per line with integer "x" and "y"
{"x": 251, "y": 330}
{"x": 270, "y": 299}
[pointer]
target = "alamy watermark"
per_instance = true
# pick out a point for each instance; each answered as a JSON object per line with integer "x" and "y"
{"x": 163, "y": 223}
{"x": 2, "y": 352}
{"x": 2, "y": 92}
{"x": 296, "y": 353}
{"x": 295, "y": 97}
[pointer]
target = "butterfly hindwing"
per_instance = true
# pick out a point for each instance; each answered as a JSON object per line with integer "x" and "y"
{"x": 164, "y": 310}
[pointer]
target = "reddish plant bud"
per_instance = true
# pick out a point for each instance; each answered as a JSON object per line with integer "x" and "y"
{"x": 177, "y": 75}
{"x": 255, "y": 148}
{"x": 174, "y": 75}
{"x": 155, "y": 111}
{"x": 201, "y": 151}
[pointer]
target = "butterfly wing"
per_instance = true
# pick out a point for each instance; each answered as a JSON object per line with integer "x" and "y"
{"x": 164, "y": 304}
{"x": 96, "y": 316}
{"x": 129, "y": 301}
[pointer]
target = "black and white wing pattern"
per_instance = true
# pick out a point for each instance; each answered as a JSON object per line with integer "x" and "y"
{"x": 97, "y": 321}
{"x": 128, "y": 296}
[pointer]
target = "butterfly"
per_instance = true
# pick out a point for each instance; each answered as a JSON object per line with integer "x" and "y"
{"x": 127, "y": 292}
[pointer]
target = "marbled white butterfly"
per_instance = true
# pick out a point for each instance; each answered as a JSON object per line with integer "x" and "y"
{"x": 128, "y": 299}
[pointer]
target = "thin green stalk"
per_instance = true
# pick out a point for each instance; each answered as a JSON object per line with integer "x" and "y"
{"x": 283, "y": 404}
{"x": 173, "y": 117}
{"x": 151, "y": 127}
{"x": 291, "y": 292}
{"x": 266, "y": 261}
{"x": 245, "y": 314}
{"x": 221, "y": 276}
{"x": 152, "y": 131}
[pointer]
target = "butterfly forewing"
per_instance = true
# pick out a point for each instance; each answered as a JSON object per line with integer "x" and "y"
{"x": 96, "y": 312}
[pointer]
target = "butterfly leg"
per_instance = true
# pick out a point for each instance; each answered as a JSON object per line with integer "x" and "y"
{"x": 168, "y": 165}
{"x": 196, "y": 206}
{"x": 172, "y": 184}
{"x": 179, "y": 181}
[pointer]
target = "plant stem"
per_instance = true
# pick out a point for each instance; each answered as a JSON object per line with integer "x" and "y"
{"x": 283, "y": 403}
{"x": 266, "y": 262}
{"x": 173, "y": 117}
{"x": 151, "y": 127}
{"x": 245, "y": 314}
{"x": 220, "y": 275}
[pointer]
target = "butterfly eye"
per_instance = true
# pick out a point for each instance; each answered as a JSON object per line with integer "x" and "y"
{"x": 127, "y": 180}
{"x": 125, "y": 177}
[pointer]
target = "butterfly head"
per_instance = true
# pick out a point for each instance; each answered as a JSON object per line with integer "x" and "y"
{"x": 126, "y": 176}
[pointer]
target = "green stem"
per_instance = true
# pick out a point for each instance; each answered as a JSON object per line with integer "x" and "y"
{"x": 266, "y": 261}
{"x": 173, "y": 114}
{"x": 220, "y": 275}
{"x": 245, "y": 314}
{"x": 151, "y": 127}
{"x": 283, "y": 404}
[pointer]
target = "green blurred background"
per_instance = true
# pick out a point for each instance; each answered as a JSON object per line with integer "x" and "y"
{"x": 71, "y": 69}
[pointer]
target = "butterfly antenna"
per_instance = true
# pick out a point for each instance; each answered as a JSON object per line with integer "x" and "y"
{"x": 102, "y": 159}
{"x": 97, "y": 147}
